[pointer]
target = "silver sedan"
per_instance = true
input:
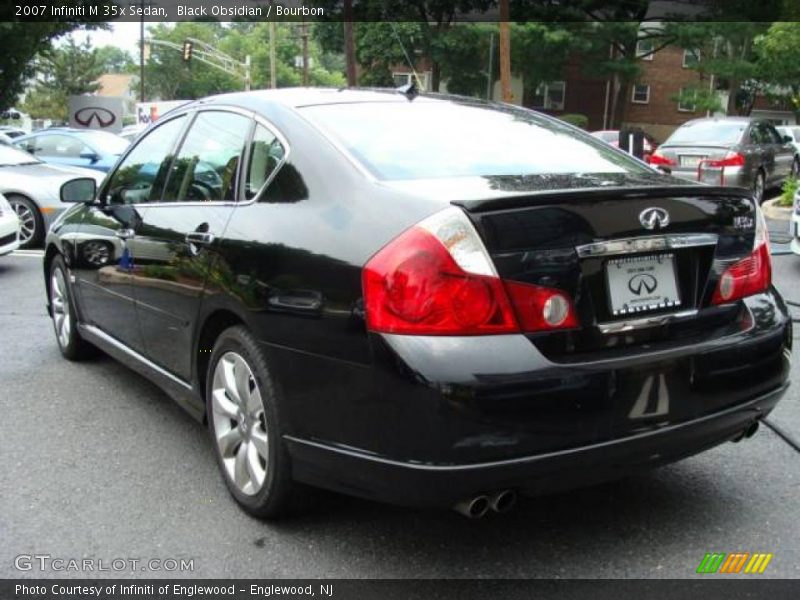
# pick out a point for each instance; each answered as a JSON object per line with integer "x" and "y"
{"x": 32, "y": 189}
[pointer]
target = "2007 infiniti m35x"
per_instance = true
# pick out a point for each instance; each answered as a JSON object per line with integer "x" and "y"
{"x": 421, "y": 299}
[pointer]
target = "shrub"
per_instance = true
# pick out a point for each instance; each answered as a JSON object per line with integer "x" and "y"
{"x": 789, "y": 189}
{"x": 581, "y": 121}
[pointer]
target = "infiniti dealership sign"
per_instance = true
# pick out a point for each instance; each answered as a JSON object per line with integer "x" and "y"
{"x": 96, "y": 112}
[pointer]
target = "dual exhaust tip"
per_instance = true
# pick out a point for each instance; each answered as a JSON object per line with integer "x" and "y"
{"x": 747, "y": 432}
{"x": 478, "y": 506}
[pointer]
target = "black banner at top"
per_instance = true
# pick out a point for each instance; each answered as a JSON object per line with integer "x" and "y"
{"x": 434, "y": 11}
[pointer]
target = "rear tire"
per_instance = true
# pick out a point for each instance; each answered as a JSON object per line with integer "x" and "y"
{"x": 31, "y": 222}
{"x": 244, "y": 421}
{"x": 65, "y": 321}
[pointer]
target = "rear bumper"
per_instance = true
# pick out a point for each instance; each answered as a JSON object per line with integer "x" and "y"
{"x": 415, "y": 484}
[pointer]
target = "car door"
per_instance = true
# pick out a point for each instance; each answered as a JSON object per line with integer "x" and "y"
{"x": 178, "y": 240}
{"x": 106, "y": 252}
{"x": 784, "y": 154}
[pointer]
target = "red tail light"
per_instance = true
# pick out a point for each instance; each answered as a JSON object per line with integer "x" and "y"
{"x": 437, "y": 279}
{"x": 657, "y": 159}
{"x": 751, "y": 275}
{"x": 732, "y": 159}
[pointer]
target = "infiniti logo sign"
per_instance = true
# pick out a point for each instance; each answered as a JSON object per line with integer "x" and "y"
{"x": 102, "y": 117}
{"x": 654, "y": 218}
{"x": 642, "y": 281}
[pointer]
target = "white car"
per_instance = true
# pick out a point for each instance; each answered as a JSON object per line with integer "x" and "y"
{"x": 793, "y": 132}
{"x": 9, "y": 227}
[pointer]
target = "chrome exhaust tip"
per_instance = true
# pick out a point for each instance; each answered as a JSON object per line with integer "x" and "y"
{"x": 751, "y": 430}
{"x": 503, "y": 501}
{"x": 473, "y": 508}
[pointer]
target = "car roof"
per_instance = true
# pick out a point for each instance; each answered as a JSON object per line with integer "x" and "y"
{"x": 300, "y": 97}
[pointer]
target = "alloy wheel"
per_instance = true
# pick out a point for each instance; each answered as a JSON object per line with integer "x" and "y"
{"x": 27, "y": 220}
{"x": 240, "y": 427}
{"x": 96, "y": 253}
{"x": 59, "y": 300}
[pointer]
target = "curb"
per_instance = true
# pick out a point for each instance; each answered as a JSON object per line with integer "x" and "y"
{"x": 775, "y": 212}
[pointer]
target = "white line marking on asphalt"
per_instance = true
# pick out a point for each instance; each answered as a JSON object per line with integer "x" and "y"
{"x": 28, "y": 253}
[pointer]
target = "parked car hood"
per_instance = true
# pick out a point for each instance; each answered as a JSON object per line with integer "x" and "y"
{"x": 49, "y": 171}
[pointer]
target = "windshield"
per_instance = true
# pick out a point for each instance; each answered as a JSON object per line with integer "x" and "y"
{"x": 724, "y": 132}
{"x": 10, "y": 157}
{"x": 423, "y": 139}
{"x": 105, "y": 143}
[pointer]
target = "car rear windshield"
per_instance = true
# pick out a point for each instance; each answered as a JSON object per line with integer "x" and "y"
{"x": 11, "y": 157}
{"x": 423, "y": 139}
{"x": 724, "y": 132}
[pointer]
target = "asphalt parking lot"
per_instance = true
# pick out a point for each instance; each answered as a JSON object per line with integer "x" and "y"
{"x": 97, "y": 462}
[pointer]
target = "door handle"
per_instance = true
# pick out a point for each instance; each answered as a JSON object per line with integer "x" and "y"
{"x": 199, "y": 238}
{"x": 125, "y": 234}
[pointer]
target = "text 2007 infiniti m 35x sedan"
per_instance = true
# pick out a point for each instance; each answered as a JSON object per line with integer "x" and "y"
{"x": 422, "y": 299}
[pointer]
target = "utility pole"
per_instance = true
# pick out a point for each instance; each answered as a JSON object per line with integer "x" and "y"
{"x": 141, "y": 54}
{"x": 305, "y": 53}
{"x": 505, "y": 52}
{"x": 349, "y": 44}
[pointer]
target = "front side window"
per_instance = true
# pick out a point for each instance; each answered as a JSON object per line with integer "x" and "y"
{"x": 462, "y": 140}
{"x": 141, "y": 174}
{"x": 266, "y": 153}
{"x": 206, "y": 168}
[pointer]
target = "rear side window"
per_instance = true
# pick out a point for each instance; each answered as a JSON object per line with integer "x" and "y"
{"x": 140, "y": 176}
{"x": 424, "y": 139}
{"x": 266, "y": 153}
{"x": 206, "y": 168}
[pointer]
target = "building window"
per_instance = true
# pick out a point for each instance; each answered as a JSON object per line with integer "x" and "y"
{"x": 690, "y": 58}
{"x": 401, "y": 79}
{"x": 686, "y": 101}
{"x": 641, "y": 93}
{"x": 550, "y": 95}
{"x": 644, "y": 49}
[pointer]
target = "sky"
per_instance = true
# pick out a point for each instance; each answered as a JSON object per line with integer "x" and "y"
{"x": 124, "y": 35}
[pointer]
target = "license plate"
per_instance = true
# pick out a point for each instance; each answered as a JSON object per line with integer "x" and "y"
{"x": 690, "y": 161}
{"x": 642, "y": 284}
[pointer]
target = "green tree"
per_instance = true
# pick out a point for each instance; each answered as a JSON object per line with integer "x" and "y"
{"x": 778, "y": 53}
{"x": 115, "y": 60}
{"x": 71, "y": 69}
{"x": 23, "y": 41}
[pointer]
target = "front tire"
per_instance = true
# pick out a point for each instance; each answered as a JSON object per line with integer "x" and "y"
{"x": 31, "y": 231}
{"x": 65, "y": 322}
{"x": 245, "y": 426}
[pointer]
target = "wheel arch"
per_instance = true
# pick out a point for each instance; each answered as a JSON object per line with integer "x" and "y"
{"x": 213, "y": 324}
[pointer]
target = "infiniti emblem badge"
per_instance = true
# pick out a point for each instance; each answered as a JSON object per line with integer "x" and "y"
{"x": 654, "y": 218}
{"x": 642, "y": 281}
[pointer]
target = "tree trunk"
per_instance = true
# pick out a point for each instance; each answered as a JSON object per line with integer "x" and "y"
{"x": 436, "y": 75}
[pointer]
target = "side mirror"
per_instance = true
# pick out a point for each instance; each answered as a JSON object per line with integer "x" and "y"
{"x": 83, "y": 189}
{"x": 89, "y": 155}
{"x": 787, "y": 139}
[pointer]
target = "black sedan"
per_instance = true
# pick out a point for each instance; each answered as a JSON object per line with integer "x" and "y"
{"x": 426, "y": 300}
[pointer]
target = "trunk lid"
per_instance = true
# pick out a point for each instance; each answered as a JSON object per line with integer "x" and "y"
{"x": 593, "y": 243}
